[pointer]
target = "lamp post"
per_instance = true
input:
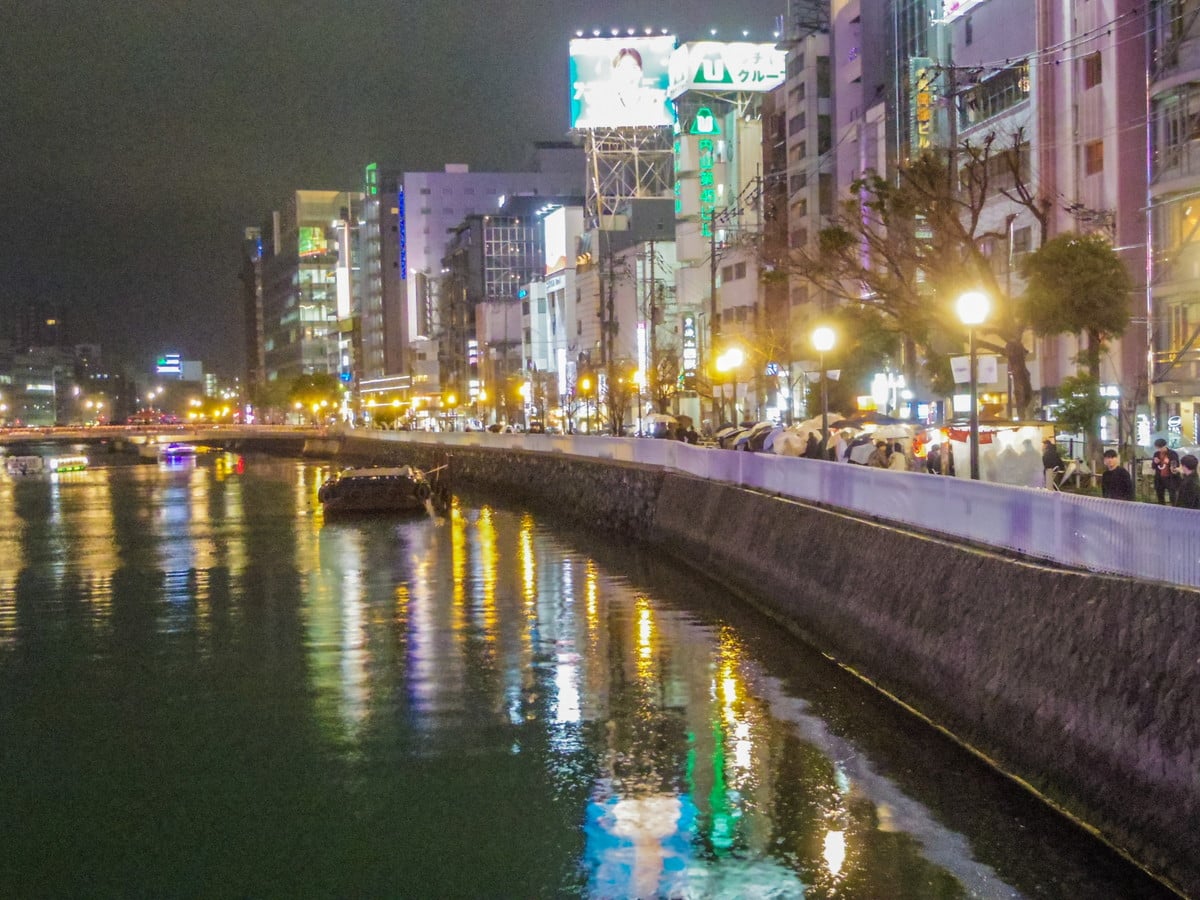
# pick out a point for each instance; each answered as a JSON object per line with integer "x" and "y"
{"x": 972, "y": 310}
{"x": 823, "y": 339}
{"x": 585, "y": 384}
{"x": 729, "y": 361}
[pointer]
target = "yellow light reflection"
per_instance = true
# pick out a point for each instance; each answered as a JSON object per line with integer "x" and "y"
{"x": 645, "y": 629}
{"x": 528, "y": 562}
{"x": 835, "y": 851}
{"x": 645, "y": 639}
{"x": 458, "y": 565}
{"x": 489, "y": 565}
{"x": 590, "y": 593}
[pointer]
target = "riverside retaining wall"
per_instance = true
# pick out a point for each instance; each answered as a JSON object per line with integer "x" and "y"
{"x": 1085, "y": 686}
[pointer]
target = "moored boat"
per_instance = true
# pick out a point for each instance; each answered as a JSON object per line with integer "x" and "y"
{"x": 24, "y": 465}
{"x": 174, "y": 452}
{"x": 68, "y": 463}
{"x": 385, "y": 489}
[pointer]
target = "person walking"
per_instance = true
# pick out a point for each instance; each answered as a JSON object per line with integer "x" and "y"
{"x": 879, "y": 456}
{"x": 1187, "y": 494}
{"x": 812, "y": 447}
{"x": 898, "y": 461}
{"x": 933, "y": 459}
{"x": 1166, "y": 472}
{"x": 1115, "y": 483}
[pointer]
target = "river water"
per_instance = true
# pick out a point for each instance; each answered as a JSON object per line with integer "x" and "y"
{"x": 208, "y": 690}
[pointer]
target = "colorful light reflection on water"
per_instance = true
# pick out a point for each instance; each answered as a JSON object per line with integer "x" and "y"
{"x": 207, "y": 689}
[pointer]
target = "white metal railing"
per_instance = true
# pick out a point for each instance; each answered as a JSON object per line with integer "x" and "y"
{"x": 1142, "y": 540}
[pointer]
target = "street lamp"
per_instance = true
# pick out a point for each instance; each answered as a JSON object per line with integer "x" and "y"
{"x": 823, "y": 339}
{"x": 972, "y": 310}
{"x": 585, "y": 385}
{"x": 729, "y": 362}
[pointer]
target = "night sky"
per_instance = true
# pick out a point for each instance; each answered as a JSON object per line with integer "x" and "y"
{"x": 140, "y": 138}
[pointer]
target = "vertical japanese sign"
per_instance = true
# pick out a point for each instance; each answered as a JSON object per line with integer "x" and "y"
{"x": 922, "y": 78}
{"x": 691, "y": 355}
{"x": 706, "y": 152}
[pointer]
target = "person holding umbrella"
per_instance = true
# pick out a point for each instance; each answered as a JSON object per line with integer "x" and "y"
{"x": 1052, "y": 463}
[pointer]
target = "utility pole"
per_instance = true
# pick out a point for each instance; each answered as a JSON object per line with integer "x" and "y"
{"x": 952, "y": 116}
{"x": 1009, "y": 221}
{"x": 652, "y": 363}
{"x": 608, "y": 358}
{"x": 606, "y": 248}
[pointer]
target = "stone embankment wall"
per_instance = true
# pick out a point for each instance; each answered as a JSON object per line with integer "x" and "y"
{"x": 1087, "y": 687}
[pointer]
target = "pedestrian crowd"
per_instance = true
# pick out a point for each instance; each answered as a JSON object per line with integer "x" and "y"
{"x": 1176, "y": 481}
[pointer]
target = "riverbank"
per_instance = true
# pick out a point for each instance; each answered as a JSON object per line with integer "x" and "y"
{"x": 1085, "y": 687}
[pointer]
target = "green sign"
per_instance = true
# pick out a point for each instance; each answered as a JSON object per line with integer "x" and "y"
{"x": 705, "y": 122}
{"x": 708, "y": 190}
{"x": 312, "y": 240}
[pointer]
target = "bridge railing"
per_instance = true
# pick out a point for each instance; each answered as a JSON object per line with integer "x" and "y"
{"x": 1142, "y": 540}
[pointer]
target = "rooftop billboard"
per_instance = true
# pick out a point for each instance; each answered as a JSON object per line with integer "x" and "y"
{"x": 726, "y": 66}
{"x": 952, "y": 9}
{"x": 621, "y": 82}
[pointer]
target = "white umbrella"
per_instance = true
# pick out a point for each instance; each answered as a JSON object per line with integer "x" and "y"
{"x": 893, "y": 432}
{"x": 814, "y": 424}
{"x": 660, "y": 417}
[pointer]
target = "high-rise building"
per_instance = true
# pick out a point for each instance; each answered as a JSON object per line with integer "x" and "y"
{"x": 1174, "y": 78}
{"x": 718, "y": 90}
{"x": 251, "y": 297}
{"x": 484, "y": 295}
{"x": 1090, "y": 163}
{"x": 407, "y": 220}
{"x": 309, "y": 264}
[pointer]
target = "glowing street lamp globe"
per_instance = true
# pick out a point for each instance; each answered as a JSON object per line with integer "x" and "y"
{"x": 973, "y": 308}
{"x": 823, "y": 339}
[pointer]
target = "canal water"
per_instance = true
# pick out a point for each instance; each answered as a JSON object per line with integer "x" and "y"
{"x": 208, "y": 690}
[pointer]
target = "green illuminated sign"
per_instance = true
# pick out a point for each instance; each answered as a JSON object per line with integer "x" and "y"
{"x": 708, "y": 192}
{"x": 312, "y": 240}
{"x": 705, "y": 122}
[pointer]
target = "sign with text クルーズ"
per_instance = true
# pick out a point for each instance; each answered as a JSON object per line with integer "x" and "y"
{"x": 717, "y": 66}
{"x": 621, "y": 82}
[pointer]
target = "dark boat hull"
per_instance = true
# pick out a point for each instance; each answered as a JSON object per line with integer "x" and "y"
{"x": 396, "y": 490}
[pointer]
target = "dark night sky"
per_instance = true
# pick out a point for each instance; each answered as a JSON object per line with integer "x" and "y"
{"x": 140, "y": 137}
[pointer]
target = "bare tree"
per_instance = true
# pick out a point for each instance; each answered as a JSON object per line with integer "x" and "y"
{"x": 909, "y": 247}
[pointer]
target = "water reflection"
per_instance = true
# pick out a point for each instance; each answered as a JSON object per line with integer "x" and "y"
{"x": 470, "y": 706}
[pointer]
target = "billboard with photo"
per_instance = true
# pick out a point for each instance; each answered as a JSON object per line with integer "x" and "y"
{"x": 621, "y": 82}
{"x": 737, "y": 66}
{"x": 555, "y": 225}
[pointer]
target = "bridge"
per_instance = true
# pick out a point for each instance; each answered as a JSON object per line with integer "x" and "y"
{"x": 155, "y": 434}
